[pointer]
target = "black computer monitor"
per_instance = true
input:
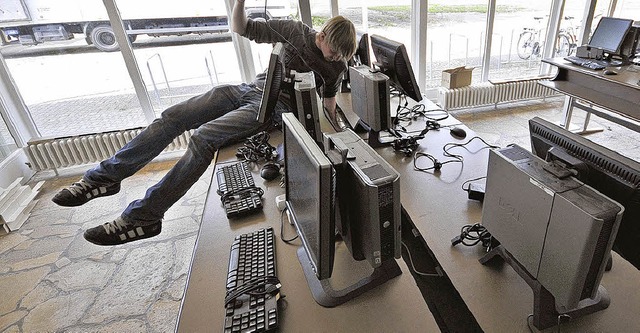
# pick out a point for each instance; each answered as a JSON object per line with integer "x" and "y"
{"x": 362, "y": 55}
{"x": 310, "y": 196}
{"x": 614, "y": 175}
{"x": 366, "y": 213}
{"x": 610, "y": 33}
{"x": 273, "y": 82}
{"x": 392, "y": 60}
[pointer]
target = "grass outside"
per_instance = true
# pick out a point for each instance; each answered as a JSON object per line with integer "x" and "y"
{"x": 401, "y": 15}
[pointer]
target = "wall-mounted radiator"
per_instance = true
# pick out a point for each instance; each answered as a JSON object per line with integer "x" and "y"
{"x": 487, "y": 93}
{"x": 46, "y": 154}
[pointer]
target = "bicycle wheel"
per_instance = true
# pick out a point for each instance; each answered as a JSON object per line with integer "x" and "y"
{"x": 563, "y": 45}
{"x": 525, "y": 45}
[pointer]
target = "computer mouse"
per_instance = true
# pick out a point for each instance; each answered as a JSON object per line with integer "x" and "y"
{"x": 609, "y": 72}
{"x": 458, "y": 132}
{"x": 270, "y": 171}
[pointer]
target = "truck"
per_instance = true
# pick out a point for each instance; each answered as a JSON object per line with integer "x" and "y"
{"x": 31, "y": 22}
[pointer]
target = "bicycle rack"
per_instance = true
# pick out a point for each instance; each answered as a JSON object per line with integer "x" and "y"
{"x": 153, "y": 81}
{"x": 466, "y": 51}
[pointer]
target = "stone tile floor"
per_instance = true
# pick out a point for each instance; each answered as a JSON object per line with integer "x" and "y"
{"x": 51, "y": 279}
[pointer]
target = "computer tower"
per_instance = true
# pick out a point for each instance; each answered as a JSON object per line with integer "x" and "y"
{"x": 558, "y": 228}
{"x": 630, "y": 45}
{"x": 368, "y": 195}
{"x": 307, "y": 104}
{"x": 370, "y": 97}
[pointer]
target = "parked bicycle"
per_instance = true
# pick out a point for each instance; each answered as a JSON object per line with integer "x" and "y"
{"x": 530, "y": 42}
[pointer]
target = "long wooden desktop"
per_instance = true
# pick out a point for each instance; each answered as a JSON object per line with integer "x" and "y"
{"x": 496, "y": 295}
{"x": 619, "y": 94}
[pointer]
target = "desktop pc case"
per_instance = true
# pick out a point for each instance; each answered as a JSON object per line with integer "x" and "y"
{"x": 369, "y": 197}
{"x": 560, "y": 230}
{"x": 306, "y": 103}
{"x": 370, "y": 97}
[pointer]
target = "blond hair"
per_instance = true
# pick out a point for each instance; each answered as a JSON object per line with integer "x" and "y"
{"x": 340, "y": 35}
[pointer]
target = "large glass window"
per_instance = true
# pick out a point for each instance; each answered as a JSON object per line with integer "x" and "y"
{"x": 518, "y": 38}
{"x": 176, "y": 65}
{"x": 68, "y": 86}
{"x": 74, "y": 81}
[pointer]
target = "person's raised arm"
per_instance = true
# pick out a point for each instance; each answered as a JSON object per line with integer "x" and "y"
{"x": 238, "y": 17}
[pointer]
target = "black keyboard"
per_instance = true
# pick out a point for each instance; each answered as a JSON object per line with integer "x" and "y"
{"x": 251, "y": 304}
{"x": 587, "y": 63}
{"x": 237, "y": 189}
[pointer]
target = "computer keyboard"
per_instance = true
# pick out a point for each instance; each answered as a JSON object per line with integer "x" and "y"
{"x": 587, "y": 63}
{"x": 239, "y": 194}
{"x": 251, "y": 303}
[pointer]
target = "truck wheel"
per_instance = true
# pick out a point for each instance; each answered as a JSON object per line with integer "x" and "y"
{"x": 104, "y": 39}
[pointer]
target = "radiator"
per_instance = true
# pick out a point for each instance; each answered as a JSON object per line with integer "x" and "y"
{"x": 48, "y": 154}
{"x": 487, "y": 93}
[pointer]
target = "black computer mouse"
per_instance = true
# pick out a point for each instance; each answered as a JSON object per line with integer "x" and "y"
{"x": 270, "y": 171}
{"x": 609, "y": 72}
{"x": 458, "y": 132}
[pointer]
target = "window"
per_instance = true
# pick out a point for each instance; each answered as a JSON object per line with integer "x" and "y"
{"x": 7, "y": 143}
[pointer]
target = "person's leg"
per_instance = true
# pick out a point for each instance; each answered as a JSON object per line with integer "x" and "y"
{"x": 142, "y": 218}
{"x": 105, "y": 178}
{"x": 174, "y": 121}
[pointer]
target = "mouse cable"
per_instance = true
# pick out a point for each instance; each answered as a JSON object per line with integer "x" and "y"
{"x": 282, "y": 228}
{"x": 437, "y": 165}
{"x": 438, "y": 271}
{"x": 451, "y": 145}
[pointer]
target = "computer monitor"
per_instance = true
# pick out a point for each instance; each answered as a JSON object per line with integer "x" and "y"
{"x": 616, "y": 176}
{"x": 610, "y": 34}
{"x": 392, "y": 60}
{"x": 362, "y": 57}
{"x": 310, "y": 195}
{"x": 555, "y": 231}
{"x": 354, "y": 194}
{"x": 275, "y": 75}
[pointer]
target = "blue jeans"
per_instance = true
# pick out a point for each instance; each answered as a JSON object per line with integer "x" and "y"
{"x": 224, "y": 115}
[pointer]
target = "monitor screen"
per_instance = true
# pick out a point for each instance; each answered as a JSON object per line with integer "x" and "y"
{"x": 393, "y": 60}
{"x": 309, "y": 186}
{"x": 271, "y": 91}
{"x": 614, "y": 175}
{"x": 610, "y": 34}
{"x": 362, "y": 57}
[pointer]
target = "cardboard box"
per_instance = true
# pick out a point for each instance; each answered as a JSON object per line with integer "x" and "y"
{"x": 456, "y": 77}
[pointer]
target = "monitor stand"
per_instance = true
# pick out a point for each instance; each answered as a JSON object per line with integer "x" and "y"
{"x": 325, "y": 294}
{"x": 373, "y": 136}
{"x": 545, "y": 314}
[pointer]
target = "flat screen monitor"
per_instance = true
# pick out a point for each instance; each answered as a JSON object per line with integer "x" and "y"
{"x": 272, "y": 85}
{"x": 610, "y": 33}
{"x": 362, "y": 57}
{"x": 614, "y": 175}
{"x": 392, "y": 60}
{"x": 309, "y": 186}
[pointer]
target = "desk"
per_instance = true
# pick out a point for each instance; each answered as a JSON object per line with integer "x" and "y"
{"x": 396, "y": 306}
{"x": 617, "y": 93}
{"x": 497, "y": 296}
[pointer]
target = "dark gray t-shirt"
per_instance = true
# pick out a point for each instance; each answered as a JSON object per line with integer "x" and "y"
{"x": 301, "y": 45}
